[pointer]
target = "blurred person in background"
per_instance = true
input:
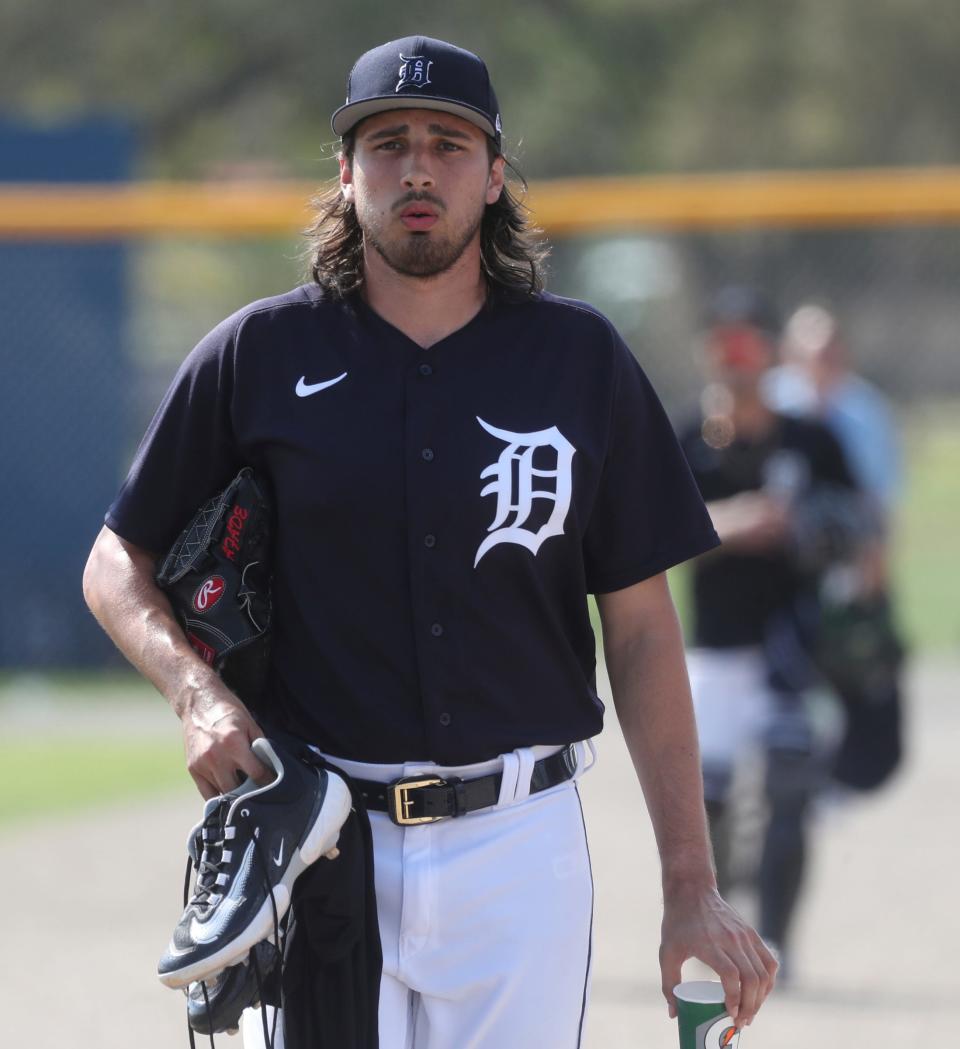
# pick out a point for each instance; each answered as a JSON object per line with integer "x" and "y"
{"x": 861, "y": 654}
{"x": 785, "y": 505}
{"x": 816, "y": 379}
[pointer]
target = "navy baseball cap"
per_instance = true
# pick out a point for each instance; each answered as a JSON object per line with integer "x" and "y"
{"x": 741, "y": 304}
{"x": 419, "y": 72}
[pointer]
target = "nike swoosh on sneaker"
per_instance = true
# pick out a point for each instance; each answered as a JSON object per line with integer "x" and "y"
{"x": 305, "y": 389}
{"x": 178, "y": 952}
{"x": 278, "y": 859}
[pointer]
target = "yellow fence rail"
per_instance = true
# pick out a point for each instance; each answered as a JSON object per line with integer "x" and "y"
{"x": 877, "y": 197}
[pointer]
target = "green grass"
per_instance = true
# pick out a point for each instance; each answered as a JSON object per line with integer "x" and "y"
{"x": 44, "y": 776}
{"x": 927, "y": 559}
{"x": 77, "y": 686}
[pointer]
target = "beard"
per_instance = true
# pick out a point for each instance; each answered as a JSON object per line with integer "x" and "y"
{"x": 418, "y": 254}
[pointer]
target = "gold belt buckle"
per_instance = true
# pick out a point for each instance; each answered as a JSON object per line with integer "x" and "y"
{"x": 401, "y": 802}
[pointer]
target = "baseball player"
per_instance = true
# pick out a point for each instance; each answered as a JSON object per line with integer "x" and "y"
{"x": 458, "y": 459}
{"x": 778, "y": 488}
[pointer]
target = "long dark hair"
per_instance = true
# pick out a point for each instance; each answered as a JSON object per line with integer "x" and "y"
{"x": 512, "y": 251}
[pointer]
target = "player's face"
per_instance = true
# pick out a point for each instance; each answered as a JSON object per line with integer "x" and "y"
{"x": 737, "y": 355}
{"x": 420, "y": 180}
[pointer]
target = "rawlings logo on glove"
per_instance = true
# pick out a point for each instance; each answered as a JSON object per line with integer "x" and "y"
{"x": 210, "y": 592}
{"x": 217, "y": 577}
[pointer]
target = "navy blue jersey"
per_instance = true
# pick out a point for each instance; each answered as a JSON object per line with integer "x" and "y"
{"x": 736, "y": 595}
{"x": 442, "y": 514}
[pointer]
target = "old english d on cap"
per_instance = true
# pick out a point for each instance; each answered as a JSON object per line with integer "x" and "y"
{"x": 419, "y": 72}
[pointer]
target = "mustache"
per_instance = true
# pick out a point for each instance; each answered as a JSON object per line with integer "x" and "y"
{"x": 415, "y": 197}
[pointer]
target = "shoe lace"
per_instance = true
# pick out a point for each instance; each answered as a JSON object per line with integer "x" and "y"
{"x": 268, "y": 1036}
{"x": 210, "y": 876}
{"x": 206, "y": 1005}
{"x": 211, "y": 838}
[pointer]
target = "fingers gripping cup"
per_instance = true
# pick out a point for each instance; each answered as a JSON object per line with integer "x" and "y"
{"x": 702, "y": 1016}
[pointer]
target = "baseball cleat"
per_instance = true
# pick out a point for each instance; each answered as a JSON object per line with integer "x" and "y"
{"x": 215, "y": 1005}
{"x": 256, "y": 841}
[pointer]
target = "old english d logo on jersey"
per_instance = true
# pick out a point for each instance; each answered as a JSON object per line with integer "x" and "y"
{"x": 415, "y": 72}
{"x": 718, "y": 1033}
{"x": 513, "y": 484}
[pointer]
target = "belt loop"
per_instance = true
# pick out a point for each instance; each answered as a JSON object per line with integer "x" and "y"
{"x": 524, "y": 756}
{"x": 508, "y": 781}
{"x": 580, "y": 753}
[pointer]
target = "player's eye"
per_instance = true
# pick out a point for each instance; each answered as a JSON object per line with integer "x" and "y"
{"x": 449, "y": 147}
{"x": 391, "y": 145}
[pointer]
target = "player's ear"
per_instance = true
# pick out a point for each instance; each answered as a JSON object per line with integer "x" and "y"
{"x": 346, "y": 177}
{"x": 495, "y": 180}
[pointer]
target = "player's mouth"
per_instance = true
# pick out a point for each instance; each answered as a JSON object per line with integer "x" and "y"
{"x": 419, "y": 217}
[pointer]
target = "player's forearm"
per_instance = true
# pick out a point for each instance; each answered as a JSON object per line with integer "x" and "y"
{"x": 652, "y": 698}
{"x": 120, "y": 590}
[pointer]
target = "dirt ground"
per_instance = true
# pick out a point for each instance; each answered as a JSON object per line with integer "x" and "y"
{"x": 90, "y": 901}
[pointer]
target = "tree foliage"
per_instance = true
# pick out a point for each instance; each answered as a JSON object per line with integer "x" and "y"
{"x": 587, "y": 85}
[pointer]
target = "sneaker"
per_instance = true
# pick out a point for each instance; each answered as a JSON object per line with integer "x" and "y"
{"x": 256, "y": 841}
{"x": 215, "y": 1005}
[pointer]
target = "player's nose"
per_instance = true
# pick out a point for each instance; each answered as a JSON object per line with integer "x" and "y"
{"x": 417, "y": 173}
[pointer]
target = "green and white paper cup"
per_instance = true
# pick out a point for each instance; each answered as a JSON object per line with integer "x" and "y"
{"x": 702, "y": 1016}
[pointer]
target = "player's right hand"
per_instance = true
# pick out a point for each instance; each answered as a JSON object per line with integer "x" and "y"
{"x": 217, "y": 733}
{"x": 751, "y": 522}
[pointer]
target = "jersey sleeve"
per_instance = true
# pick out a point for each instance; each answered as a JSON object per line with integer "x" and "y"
{"x": 189, "y": 451}
{"x": 648, "y": 515}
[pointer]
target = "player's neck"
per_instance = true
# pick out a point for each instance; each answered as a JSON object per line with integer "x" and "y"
{"x": 426, "y": 309}
{"x": 751, "y": 415}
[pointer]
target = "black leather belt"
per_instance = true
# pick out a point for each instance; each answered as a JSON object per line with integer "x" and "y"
{"x": 426, "y": 799}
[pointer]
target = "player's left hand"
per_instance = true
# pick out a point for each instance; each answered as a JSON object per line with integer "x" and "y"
{"x": 700, "y": 924}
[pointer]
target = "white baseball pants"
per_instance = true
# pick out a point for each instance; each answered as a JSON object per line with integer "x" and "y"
{"x": 732, "y": 701}
{"x": 485, "y": 920}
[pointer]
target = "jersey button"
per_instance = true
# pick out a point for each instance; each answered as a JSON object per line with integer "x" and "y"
{"x": 429, "y": 541}
{"x": 427, "y": 455}
{"x": 445, "y": 719}
{"x": 436, "y": 629}
{"x": 425, "y": 369}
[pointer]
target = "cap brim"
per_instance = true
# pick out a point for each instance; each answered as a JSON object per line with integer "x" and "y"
{"x": 348, "y": 116}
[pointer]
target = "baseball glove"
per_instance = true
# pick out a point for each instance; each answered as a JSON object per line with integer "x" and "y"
{"x": 217, "y": 578}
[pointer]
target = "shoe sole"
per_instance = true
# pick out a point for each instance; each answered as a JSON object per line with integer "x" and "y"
{"x": 220, "y": 1018}
{"x": 322, "y": 837}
